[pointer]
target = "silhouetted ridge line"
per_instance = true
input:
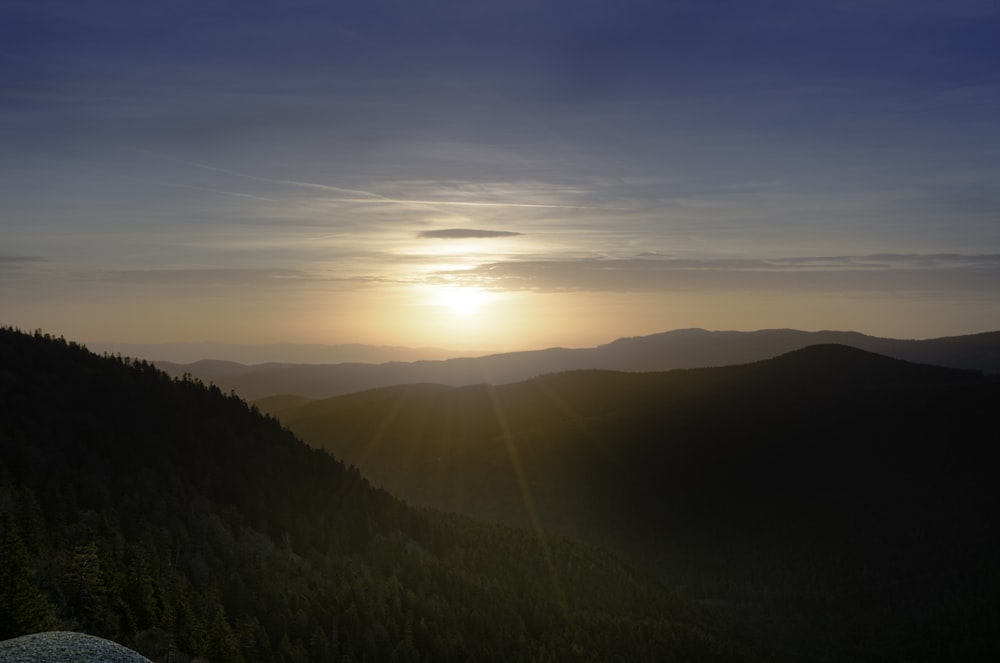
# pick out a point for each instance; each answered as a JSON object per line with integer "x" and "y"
{"x": 688, "y": 348}
{"x": 840, "y": 364}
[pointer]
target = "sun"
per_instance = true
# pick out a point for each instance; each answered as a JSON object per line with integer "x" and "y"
{"x": 462, "y": 317}
{"x": 454, "y": 315}
{"x": 462, "y": 301}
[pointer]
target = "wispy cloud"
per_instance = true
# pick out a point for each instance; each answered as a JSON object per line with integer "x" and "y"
{"x": 256, "y": 278}
{"x": 465, "y": 233}
{"x": 11, "y": 265}
{"x": 15, "y": 260}
{"x": 356, "y": 196}
{"x": 206, "y": 277}
{"x": 367, "y": 195}
{"x": 222, "y": 192}
{"x": 898, "y": 273}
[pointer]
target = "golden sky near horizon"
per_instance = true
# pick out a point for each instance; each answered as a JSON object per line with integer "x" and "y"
{"x": 498, "y": 176}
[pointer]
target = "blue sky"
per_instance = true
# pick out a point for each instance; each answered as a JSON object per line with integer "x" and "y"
{"x": 497, "y": 175}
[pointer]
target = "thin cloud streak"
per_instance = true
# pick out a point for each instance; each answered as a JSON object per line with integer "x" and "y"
{"x": 222, "y": 192}
{"x": 234, "y": 277}
{"x": 256, "y": 178}
{"x": 469, "y": 203}
{"x": 17, "y": 260}
{"x": 199, "y": 276}
{"x": 369, "y": 196}
{"x": 465, "y": 233}
{"x": 903, "y": 274}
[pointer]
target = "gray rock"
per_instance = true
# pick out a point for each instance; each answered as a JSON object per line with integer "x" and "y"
{"x": 66, "y": 647}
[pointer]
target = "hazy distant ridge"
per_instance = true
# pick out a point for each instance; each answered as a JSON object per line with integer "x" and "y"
{"x": 684, "y": 348}
{"x": 285, "y": 353}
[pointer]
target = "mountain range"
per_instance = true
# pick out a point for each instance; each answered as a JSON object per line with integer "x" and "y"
{"x": 686, "y": 348}
{"x": 826, "y": 504}
{"x": 299, "y": 353}
{"x": 840, "y": 496}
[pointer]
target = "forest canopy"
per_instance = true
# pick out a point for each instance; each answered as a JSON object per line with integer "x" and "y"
{"x": 181, "y": 522}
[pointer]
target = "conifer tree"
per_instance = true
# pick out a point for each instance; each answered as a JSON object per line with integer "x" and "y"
{"x": 23, "y": 607}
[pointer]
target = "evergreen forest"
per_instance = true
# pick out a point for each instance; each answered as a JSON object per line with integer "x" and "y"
{"x": 181, "y": 522}
{"x": 841, "y": 503}
{"x": 827, "y": 505}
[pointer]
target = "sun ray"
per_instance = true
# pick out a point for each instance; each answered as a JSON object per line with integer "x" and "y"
{"x": 526, "y": 496}
{"x": 380, "y": 432}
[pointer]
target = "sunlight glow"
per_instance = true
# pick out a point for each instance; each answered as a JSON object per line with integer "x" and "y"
{"x": 460, "y": 300}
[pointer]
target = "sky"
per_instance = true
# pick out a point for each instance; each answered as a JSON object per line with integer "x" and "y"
{"x": 497, "y": 176}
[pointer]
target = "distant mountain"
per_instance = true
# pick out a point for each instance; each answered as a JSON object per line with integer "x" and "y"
{"x": 297, "y": 353}
{"x": 182, "y": 523}
{"x": 845, "y": 499}
{"x": 687, "y": 348}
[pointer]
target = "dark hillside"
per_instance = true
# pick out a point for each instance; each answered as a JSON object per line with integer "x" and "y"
{"x": 837, "y": 364}
{"x": 413, "y": 428}
{"x": 181, "y": 522}
{"x": 844, "y": 498}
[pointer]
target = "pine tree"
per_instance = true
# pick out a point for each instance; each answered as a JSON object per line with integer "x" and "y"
{"x": 23, "y": 607}
{"x": 223, "y": 646}
{"x": 87, "y": 590}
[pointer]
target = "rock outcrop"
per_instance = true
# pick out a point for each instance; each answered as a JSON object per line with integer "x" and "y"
{"x": 66, "y": 647}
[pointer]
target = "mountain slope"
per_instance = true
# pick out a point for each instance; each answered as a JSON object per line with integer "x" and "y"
{"x": 686, "y": 348}
{"x": 451, "y": 447}
{"x": 180, "y": 522}
{"x": 846, "y": 497}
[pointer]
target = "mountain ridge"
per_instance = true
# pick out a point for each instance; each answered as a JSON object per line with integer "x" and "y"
{"x": 390, "y": 432}
{"x": 828, "y": 485}
{"x": 689, "y": 348}
{"x": 274, "y": 353}
{"x": 796, "y": 517}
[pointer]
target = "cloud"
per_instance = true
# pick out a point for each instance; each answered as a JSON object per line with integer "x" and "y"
{"x": 913, "y": 274}
{"x": 465, "y": 233}
{"x": 234, "y": 277}
{"x": 510, "y": 198}
{"x": 203, "y": 277}
{"x": 10, "y": 264}
{"x": 13, "y": 260}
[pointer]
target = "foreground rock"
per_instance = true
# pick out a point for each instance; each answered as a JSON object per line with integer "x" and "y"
{"x": 66, "y": 647}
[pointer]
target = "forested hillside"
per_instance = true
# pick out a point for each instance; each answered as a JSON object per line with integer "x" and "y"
{"x": 181, "y": 522}
{"x": 844, "y": 501}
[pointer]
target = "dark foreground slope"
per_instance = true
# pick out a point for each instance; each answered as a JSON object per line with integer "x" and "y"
{"x": 180, "y": 522}
{"x": 682, "y": 348}
{"x": 844, "y": 501}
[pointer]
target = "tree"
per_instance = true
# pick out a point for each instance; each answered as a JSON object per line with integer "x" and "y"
{"x": 87, "y": 591}
{"x": 223, "y": 646}
{"x": 23, "y": 607}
